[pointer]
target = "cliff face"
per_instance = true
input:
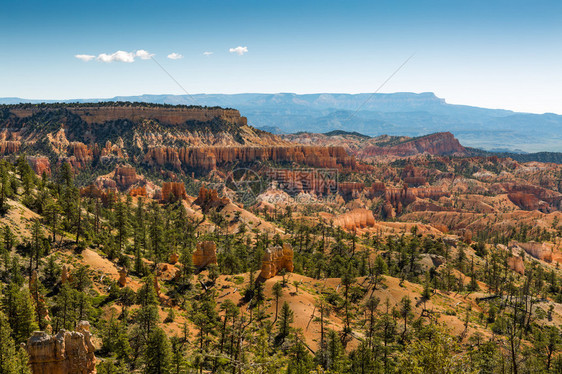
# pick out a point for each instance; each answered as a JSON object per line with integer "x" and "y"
{"x": 178, "y": 139}
{"x": 537, "y": 250}
{"x": 63, "y": 353}
{"x": 209, "y": 158}
{"x": 443, "y": 143}
{"x": 171, "y": 115}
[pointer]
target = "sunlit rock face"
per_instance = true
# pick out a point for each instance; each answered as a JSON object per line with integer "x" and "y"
{"x": 173, "y": 190}
{"x": 276, "y": 259}
{"x": 68, "y": 352}
{"x": 356, "y": 219}
{"x": 205, "y": 254}
{"x": 443, "y": 143}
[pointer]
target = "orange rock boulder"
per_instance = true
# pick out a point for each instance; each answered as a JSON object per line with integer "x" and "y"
{"x": 209, "y": 199}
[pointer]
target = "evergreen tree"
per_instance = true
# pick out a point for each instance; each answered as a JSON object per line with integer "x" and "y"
{"x": 277, "y": 293}
{"x": 158, "y": 353}
{"x": 19, "y": 309}
{"x": 7, "y": 347}
{"x": 285, "y": 320}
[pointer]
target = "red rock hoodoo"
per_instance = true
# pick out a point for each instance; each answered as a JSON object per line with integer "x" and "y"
{"x": 63, "y": 353}
{"x": 173, "y": 189}
{"x": 40, "y": 165}
{"x": 275, "y": 259}
{"x": 209, "y": 199}
{"x": 205, "y": 254}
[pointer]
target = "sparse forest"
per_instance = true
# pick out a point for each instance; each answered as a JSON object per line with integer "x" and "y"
{"x": 379, "y": 302}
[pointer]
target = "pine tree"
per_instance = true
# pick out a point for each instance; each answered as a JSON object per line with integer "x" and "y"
{"x": 347, "y": 280}
{"x": 20, "y": 311}
{"x": 158, "y": 353}
{"x": 7, "y": 347}
{"x": 5, "y": 189}
{"x": 277, "y": 293}
{"x": 405, "y": 311}
{"x": 285, "y": 320}
{"x": 122, "y": 224}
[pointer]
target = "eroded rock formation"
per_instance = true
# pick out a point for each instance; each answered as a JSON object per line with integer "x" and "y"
{"x": 209, "y": 158}
{"x": 68, "y": 352}
{"x": 209, "y": 199}
{"x": 167, "y": 272}
{"x": 8, "y": 147}
{"x": 537, "y": 250}
{"x": 175, "y": 190}
{"x": 356, "y": 219}
{"x": 125, "y": 176}
{"x": 123, "y": 277}
{"x": 205, "y": 254}
{"x": 40, "y": 165}
{"x": 399, "y": 198}
{"x": 275, "y": 259}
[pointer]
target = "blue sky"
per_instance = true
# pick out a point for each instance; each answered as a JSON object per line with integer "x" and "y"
{"x": 497, "y": 54}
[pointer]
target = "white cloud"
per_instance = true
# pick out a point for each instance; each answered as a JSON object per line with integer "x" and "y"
{"x": 85, "y": 58}
{"x": 175, "y": 56}
{"x": 119, "y": 56}
{"x": 144, "y": 55}
{"x": 239, "y": 50}
{"x": 206, "y": 53}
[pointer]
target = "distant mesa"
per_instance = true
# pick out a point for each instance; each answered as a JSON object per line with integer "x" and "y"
{"x": 104, "y": 112}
